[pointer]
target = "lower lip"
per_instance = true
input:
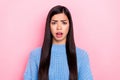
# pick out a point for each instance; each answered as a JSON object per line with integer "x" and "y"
{"x": 59, "y": 35}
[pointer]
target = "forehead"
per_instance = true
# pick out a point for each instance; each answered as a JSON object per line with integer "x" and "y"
{"x": 60, "y": 16}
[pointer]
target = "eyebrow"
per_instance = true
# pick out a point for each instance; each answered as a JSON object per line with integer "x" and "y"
{"x": 57, "y": 20}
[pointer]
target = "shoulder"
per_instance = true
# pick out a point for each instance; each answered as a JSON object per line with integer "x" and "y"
{"x": 35, "y": 53}
{"x": 80, "y": 52}
{"x": 82, "y": 56}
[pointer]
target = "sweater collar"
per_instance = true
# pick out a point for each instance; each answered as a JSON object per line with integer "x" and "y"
{"x": 58, "y": 46}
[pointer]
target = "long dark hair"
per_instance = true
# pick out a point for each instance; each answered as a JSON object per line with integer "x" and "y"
{"x": 47, "y": 44}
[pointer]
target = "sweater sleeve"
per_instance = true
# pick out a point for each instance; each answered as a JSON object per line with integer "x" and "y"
{"x": 84, "y": 72}
{"x": 32, "y": 68}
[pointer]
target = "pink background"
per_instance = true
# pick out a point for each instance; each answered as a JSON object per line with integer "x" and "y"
{"x": 96, "y": 27}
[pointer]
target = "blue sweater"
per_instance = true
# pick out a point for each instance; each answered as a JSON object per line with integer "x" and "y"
{"x": 58, "y": 69}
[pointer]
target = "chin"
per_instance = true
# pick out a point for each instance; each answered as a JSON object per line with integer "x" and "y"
{"x": 59, "y": 39}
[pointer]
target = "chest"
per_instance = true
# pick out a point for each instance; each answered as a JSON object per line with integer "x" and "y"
{"x": 58, "y": 67}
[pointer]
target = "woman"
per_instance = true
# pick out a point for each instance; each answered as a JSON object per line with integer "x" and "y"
{"x": 58, "y": 59}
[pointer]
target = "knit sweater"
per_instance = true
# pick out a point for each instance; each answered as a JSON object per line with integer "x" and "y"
{"x": 58, "y": 69}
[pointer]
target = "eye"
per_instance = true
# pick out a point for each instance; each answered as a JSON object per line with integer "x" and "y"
{"x": 53, "y": 23}
{"x": 64, "y": 23}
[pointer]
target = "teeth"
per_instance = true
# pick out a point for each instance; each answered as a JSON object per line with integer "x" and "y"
{"x": 59, "y": 33}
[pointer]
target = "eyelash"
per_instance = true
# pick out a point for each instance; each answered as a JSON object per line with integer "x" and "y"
{"x": 55, "y": 23}
{"x": 64, "y": 22}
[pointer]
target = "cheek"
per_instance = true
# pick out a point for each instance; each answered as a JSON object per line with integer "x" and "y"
{"x": 52, "y": 29}
{"x": 66, "y": 29}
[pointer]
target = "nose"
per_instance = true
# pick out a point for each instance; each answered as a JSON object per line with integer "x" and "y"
{"x": 59, "y": 26}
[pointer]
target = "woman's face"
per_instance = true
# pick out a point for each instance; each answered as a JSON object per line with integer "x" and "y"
{"x": 59, "y": 26}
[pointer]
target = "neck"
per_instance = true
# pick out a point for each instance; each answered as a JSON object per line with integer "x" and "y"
{"x": 58, "y": 42}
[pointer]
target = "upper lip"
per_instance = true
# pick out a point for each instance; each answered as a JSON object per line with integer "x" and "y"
{"x": 59, "y": 33}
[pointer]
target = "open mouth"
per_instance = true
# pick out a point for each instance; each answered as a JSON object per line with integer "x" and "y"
{"x": 59, "y": 34}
